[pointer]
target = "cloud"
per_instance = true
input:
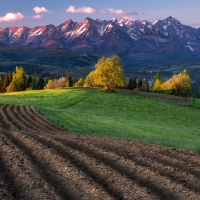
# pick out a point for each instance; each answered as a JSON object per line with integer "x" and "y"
{"x": 12, "y": 17}
{"x": 111, "y": 11}
{"x": 128, "y": 18}
{"x": 195, "y": 24}
{"x": 83, "y": 9}
{"x": 39, "y": 10}
{"x": 38, "y": 16}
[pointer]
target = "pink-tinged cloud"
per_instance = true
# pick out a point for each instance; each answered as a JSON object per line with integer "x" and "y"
{"x": 111, "y": 11}
{"x": 195, "y": 24}
{"x": 38, "y": 16}
{"x": 39, "y": 10}
{"x": 83, "y": 9}
{"x": 128, "y": 18}
{"x": 12, "y": 17}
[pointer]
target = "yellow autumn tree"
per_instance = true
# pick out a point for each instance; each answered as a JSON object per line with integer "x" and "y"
{"x": 89, "y": 81}
{"x": 157, "y": 86}
{"x": 179, "y": 84}
{"x": 109, "y": 73}
{"x": 18, "y": 81}
{"x": 79, "y": 83}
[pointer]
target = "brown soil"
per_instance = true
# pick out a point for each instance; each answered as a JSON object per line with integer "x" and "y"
{"x": 39, "y": 160}
{"x": 158, "y": 96}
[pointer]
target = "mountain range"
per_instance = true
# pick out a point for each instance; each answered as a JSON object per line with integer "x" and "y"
{"x": 101, "y": 36}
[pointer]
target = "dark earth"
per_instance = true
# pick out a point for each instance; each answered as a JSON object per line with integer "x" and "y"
{"x": 39, "y": 160}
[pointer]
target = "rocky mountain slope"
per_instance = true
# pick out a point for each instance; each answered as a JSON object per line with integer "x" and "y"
{"x": 97, "y": 36}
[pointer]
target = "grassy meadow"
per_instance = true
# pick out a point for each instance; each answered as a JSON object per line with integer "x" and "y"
{"x": 116, "y": 115}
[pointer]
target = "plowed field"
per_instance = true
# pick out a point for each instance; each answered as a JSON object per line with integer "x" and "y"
{"x": 158, "y": 96}
{"x": 39, "y": 160}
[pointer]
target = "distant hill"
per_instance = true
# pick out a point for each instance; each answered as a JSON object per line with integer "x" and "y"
{"x": 46, "y": 61}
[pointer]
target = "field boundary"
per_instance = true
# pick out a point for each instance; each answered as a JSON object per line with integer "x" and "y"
{"x": 161, "y": 97}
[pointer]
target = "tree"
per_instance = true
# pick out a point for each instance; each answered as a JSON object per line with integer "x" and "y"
{"x": 19, "y": 81}
{"x": 69, "y": 81}
{"x": 130, "y": 84}
{"x": 179, "y": 84}
{"x": 6, "y": 82}
{"x": 157, "y": 86}
{"x": 79, "y": 83}
{"x": 109, "y": 73}
{"x": 60, "y": 83}
{"x": 50, "y": 84}
{"x": 29, "y": 81}
{"x": 89, "y": 81}
{"x": 1, "y": 85}
{"x": 40, "y": 84}
{"x": 34, "y": 82}
{"x": 145, "y": 86}
{"x": 134, "y": 83}
{"x": 140, "y": 82}
{"x": 157, "y": 77}
{"x": 11, "y": 76}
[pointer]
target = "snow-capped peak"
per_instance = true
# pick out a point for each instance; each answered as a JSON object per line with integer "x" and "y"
{"x": 114, "y": 20}
{"x": 155, "y": 22}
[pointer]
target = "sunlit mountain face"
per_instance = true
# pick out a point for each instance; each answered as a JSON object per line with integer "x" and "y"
{"x": 100, "y": 36}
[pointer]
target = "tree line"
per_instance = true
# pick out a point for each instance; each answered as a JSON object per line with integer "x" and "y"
{"x": 108, "y": 73}
{"x": 19, "y": 81}
{"x": 179, "y": 84}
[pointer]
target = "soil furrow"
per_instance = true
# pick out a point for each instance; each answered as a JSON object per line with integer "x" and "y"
{"x": 10, "y": 118}
{"x": 67, "y": 180}
{"x": 27, "y": 111}
{"x": 109, "y": 179}
{"x": 22, "y": 175}
{"x": 143, "y": 175}
{"x": 163, "y": 155}
{"x": 185, "y": 156}
{"x": 22, "y": 119}
{"x": 45, "y": 122}
{"x": 174, "y": 161}
{"x": 158, "y": 96}
{"x": 180, "y": 177}
{"x": 30, "y": 122}
{"x": 4, "y": 124}
{"x": 38, "y": 160}
{"x": 145, "y": 159}
{"x": 6, "y": 192}
{"x": 155, "y": 153}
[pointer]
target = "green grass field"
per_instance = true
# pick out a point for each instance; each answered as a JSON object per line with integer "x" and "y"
{"x": 116, "y": 115}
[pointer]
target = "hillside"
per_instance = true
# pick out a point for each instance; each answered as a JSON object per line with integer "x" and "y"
{"x": 116, "y": 115}
{"x": 50, "y": 61}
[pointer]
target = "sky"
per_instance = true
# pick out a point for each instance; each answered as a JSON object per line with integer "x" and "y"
{"x": 33, "y": 13}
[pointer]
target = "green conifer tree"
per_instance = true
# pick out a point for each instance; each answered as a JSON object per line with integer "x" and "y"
{"x": 1, "y": 85}
{"x": 29, "y": 81}
{"x": 40, "y": 85}
{"x": 130, "y": 84}
{"x": 140, "y": 82}
{"x": 34, "y": 82}
{"x": 69, "y": 81}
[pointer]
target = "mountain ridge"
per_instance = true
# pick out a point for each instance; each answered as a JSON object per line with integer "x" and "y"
{"x": 102, "y": 36}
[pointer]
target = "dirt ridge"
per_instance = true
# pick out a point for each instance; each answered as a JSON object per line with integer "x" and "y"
{"x": 39, "y": 160}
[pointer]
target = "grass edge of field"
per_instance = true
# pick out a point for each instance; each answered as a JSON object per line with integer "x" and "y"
{"x": 50, "y": 114}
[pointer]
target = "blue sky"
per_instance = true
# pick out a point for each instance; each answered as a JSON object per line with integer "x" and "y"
{"x": 39, "y": 12}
